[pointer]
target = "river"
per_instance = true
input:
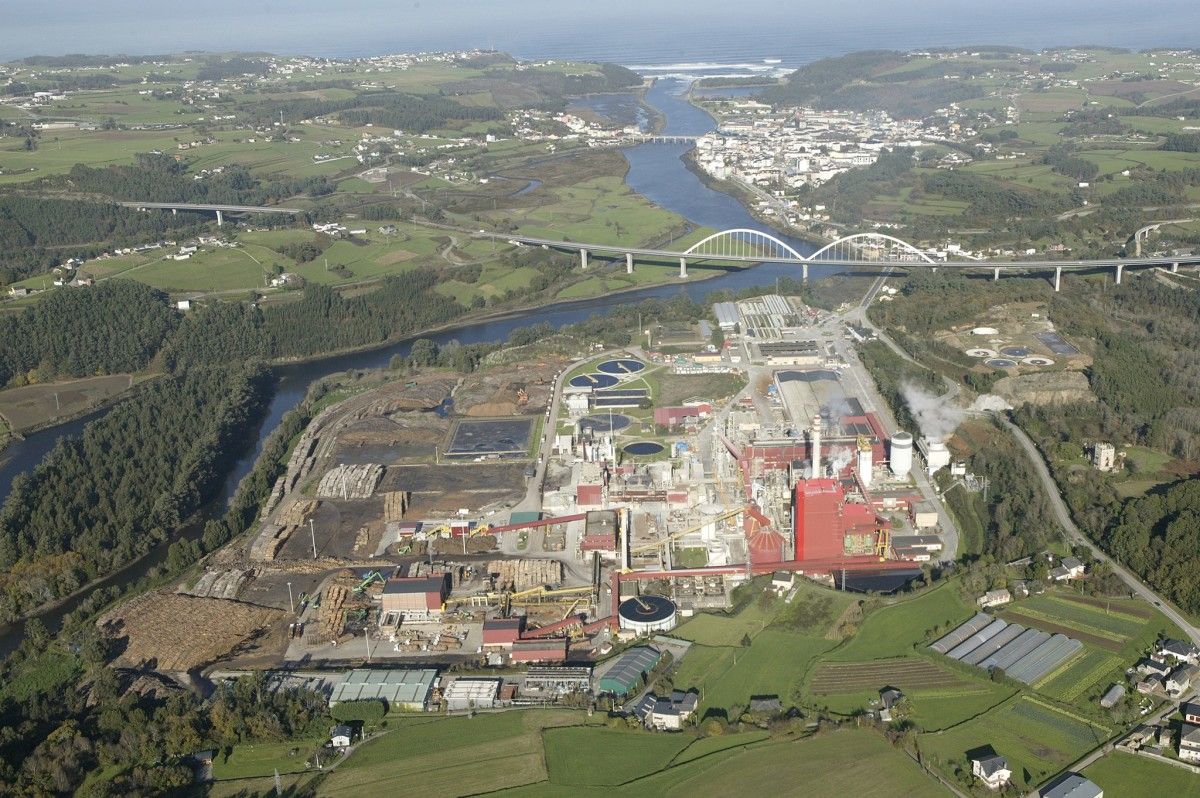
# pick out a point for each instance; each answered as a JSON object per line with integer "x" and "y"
{"x": 655, "y": 170}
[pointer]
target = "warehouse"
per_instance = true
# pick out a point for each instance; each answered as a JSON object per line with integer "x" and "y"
{"x": 502, "y": 632}
{"x": 416, "y": 598}
{"x": 404, "y": 689}
{"x": 626, "y": 675}
{"x": 553, "y": 649}
{"x": 559, "y": 680}
{"x": 472, "y": 693}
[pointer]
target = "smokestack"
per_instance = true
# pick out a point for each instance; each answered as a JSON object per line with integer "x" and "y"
{"x": 865, "y": 462}
{"x": 816, "y": 447}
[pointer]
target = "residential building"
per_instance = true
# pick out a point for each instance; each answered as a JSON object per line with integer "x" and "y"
{"x": 1189, "y": 742}
{"x": 341, "y": 736}
{"x": 994, "y": 598}
{"x": 992, "y": 769}
{"x": 669, "y": 714}
{"x": 782, "y": 581}
{"x": 1104, "y": 456}
{"x": 1178, "y": 650}
{"x": 889, "y": 697}
{"x": 1147, "y": 667}
{"x": 1181, "y": 679}
{"x": 1190, "y": 711}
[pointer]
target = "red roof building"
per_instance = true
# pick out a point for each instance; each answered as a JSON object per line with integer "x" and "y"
{"x": 588, "y": 495}
{"x": 674, "y": 416}
{"x": 502, "y": 632}
{"x": 550, "y": 650}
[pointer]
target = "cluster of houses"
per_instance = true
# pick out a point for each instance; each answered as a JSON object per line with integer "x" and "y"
{"x": 1156, "y": 739}
{"x": 1173, "y": 669}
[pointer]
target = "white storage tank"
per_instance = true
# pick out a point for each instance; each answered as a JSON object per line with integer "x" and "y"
{"x": 937, "y": 456}
{"x": 901, "y": 455}
{"x": 866, "y": 464}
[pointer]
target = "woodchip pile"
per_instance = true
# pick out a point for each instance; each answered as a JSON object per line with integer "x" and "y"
{"x": 175, "y": 632}
{"x": 272, "y": 537}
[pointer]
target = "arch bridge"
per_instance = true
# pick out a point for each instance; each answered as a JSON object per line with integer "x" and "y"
{"x": 865, "y": 250}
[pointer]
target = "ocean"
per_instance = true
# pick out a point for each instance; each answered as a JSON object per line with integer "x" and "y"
{"x": 659, "y": 36}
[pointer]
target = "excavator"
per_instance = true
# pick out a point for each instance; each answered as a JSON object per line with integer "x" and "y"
{"x": 367, "y": 581}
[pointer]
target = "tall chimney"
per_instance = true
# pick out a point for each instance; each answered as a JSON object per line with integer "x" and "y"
{"x": 816, "y": 447}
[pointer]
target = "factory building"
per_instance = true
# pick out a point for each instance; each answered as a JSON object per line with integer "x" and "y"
{"x": 463, "y": 694}
{"x": 559, "y": 679}
{"x": 416, "y": 598}
{"x": 404, "y": 689}
{"x": 827, "y": 526}
{"x": 552, "y": 649}
{"x": 626, "y": 674}
{"x": 502, "y": 632}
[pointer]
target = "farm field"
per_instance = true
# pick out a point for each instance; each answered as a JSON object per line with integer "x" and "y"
{"x": 939, "y": 697}
{"x": 899, "y": 630}
{"x": 36, "y": 405}
{"x": 1123, "y": 775}
{"x": 585, "y": 756}
{"x": 1120, "y": 626}
{"x": 249, "y": 760}
{"x": 1085, "y": 675}
{"x": 849, "y": 758}
{"x": 1037, "y": 738}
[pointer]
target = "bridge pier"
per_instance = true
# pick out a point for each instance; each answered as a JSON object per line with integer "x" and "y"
{"x": 220, "y": 219}
{"x": 1057, "y": 278}
{"x": 1120, "y": 268}
{"x": 174, "y": 211}
{"x": 996, "y": 275}
{"x": 683, "y": 268}
{"x": 804, "y": 271}
{"x": 583, "y": 255}
{"x": 629, "y": 263}
{"x": 1174, "y": 268}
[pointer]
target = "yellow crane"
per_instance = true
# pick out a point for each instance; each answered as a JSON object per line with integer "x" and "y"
{"x": 677, "y": 535}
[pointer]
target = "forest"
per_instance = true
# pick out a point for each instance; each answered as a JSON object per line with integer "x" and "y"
{"x": 135, "y": 475}
{"x": 81, "y": 333}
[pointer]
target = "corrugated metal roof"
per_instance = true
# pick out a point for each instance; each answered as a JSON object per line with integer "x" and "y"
{"x": 629, "y": 668}
{"x": 395, "y": 685}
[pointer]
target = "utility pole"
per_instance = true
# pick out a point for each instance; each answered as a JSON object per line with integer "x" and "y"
{"x": 312, "y": 531}
{"x": 291, "y": 603}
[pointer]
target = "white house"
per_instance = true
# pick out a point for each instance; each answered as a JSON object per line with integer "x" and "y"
{"x": 992, "y": 769}
{"x": 1191, "y": 712}
{"x": 1181, "y": 679}
{"x": 994, "y": 598}
{"x": 340, "y": 736}
{"x": 669, "y": 714}
{"x": 1189, "y": 743}
{"x": 1178, "y": 650}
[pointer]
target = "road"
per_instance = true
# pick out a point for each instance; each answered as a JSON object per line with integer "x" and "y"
{"x": 1075, "y": 536}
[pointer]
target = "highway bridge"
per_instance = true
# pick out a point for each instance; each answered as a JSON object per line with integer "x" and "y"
{"x": 861, "y": 250}
{"x": 221, "y": 210}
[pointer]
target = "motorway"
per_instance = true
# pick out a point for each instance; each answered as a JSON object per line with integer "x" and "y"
{"x": 760, "y": 257}
{"x": 190, "y": 206}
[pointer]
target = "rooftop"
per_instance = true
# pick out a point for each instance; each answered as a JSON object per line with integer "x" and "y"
{"x": 395, "y": 685}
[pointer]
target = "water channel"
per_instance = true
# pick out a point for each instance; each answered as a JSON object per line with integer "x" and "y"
{"x": 655, "y": 170}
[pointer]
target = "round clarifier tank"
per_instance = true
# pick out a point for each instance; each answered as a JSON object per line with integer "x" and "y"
{"x": 647, "y": 614}
{"x": 901, "y": 454}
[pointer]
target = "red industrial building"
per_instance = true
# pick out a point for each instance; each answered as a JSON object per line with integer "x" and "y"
{"x": 552, "y": 649}
{"x": 502, "y": 632}
{"x": 674, "y": 416}
{"x": 416, "y": 598}
{"x": 824, "y": 521}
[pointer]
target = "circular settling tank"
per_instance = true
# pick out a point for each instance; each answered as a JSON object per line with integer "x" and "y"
{"x": 984, "y": 331}
{"x": 1037, "y": 361}
{"x": 622, "y": 366}
{"x": 1014, "y": 351}
{"x": 1001, "y": 363}
{"x": 981, "y": 353}
{"x": 644, "y": 448}
{"x": 647, "y": 614}
{"x": 603, "y": 422}
{"x": 594, "y": 381}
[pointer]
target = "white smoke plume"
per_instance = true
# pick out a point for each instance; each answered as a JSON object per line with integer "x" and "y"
{"x": 839, "y": 458}
{"x": 936, "y": 417}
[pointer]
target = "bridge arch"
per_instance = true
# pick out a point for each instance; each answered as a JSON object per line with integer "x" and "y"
{"x": 742, "y": 242}
{"x": 860, "y": 240}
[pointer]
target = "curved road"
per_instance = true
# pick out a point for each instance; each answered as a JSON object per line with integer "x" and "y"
{"x": 1075, "y": 536}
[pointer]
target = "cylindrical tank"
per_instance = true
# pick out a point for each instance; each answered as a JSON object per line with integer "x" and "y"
{"x": 647, "y": 614}
{"x": 901, "y": 454}
{"x": 865, "y": 465}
